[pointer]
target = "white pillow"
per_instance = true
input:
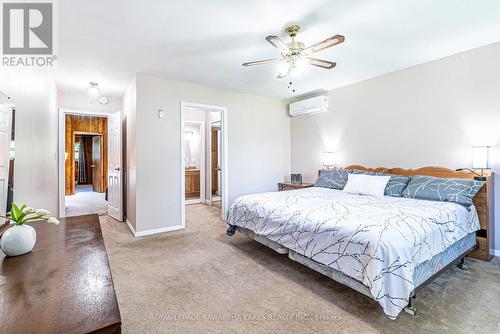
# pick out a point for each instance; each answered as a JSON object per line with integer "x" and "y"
{"x": 361, "y": 184}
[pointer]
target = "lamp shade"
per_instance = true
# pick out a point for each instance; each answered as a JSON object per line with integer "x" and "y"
{"x": 328, "y": 158}
{"x": 480, "y": 157}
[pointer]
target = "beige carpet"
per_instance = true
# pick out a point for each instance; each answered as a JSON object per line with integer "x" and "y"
{"x": 201, "y": 281}
{"x": 85, "y": 201}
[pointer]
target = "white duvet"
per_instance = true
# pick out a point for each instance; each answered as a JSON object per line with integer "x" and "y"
{"x": 378, "y": 241}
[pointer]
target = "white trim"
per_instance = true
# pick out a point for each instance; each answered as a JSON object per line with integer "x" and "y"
{"x": 153, "y": 231}
{"x": 495, "y": 252}
{"x": 209, "y": 162}
{"x": 86, "y": 112}
{"x": 129, "y": 224}
{"x": 61, "y": 150}
{"x": 193, "y": 201}
{"x": 224, "y": 163}
{"x": 203, "y": 171}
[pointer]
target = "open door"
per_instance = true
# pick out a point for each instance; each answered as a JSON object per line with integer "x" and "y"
{"x": 215, "y": 160}
{"x": 5, "y": 136}
{"x": 115, "y": 170}
{"x": 97, "y": 183}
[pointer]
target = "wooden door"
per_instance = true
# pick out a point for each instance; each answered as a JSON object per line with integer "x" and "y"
{"x": 97, "y": 164}
{"x": 214, "y": 157}
{"x": 5, "y": 138}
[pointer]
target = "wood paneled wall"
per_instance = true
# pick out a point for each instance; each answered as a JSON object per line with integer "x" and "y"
{"x": 84, "y": 124}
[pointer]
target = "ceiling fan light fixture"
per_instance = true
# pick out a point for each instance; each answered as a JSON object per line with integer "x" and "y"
{"x": 298, "y": 66}
{"x": 295, "y": 56}
{"x": 283, "y": 68}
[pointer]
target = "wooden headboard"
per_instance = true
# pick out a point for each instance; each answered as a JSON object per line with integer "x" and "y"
{"x": 483, "y": 201}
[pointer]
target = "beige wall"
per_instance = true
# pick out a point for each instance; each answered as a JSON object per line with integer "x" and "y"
{"x": 430, "y": 114}
{"x": 35, "y": 96}
{"x": 259, "y": 145}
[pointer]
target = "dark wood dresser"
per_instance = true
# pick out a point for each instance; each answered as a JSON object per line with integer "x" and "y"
{"x": 63, "y": 285}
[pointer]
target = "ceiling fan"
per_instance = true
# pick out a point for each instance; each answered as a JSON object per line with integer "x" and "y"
{"x": 295, "y": 56}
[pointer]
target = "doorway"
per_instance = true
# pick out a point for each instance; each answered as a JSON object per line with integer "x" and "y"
{"x": 215, "y": 173}
{"x": 90, "y": 166}
{"x": 194, "y": 148}
{"x": 7, "y": 153}
{"x": 85, "y": 165}
{"x": 203, "y": 157}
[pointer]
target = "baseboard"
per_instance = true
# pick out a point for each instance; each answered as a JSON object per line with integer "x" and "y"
{"x": 153, "y": 231}
{"x": 131, "y": 228}
{"x": 495, "y": 252}
{"x": 193, "y": 201}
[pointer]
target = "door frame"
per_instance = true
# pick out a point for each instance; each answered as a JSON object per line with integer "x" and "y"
{"x": 201, "y": 125}
{"x": 91, "y": 134}
{"x": 209, "y": 162}
{"x": 61, "y": 157}
{"x": 10, "y": 106}
{"x": 224, "y": 165}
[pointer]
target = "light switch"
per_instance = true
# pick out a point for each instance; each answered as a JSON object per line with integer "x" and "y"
{"x": 161, "y": 113}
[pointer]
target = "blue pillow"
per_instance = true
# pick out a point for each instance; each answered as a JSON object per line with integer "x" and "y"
{"x": 460, "y": 191}
{"x": 334, "y": 178}
{"x": 395, "y": 186}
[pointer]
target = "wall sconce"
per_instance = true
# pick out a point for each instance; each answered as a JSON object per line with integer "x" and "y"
{"x": 328, "y": 159}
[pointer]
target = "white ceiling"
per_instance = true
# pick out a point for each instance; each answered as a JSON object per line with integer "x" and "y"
{"x": 205, "y": 42}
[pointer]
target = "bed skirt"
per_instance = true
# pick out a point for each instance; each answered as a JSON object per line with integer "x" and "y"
{"x": 422, "y": 274}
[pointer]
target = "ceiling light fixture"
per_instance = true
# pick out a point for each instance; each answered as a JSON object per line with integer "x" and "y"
{"x": 93, "y": 90}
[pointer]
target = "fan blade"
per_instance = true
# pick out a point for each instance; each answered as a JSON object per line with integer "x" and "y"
{"x": 260, "y": 62}
{"x": 321, "y": 63}
{"x": 327, "y": 43}
{"x": 278, "y": 43}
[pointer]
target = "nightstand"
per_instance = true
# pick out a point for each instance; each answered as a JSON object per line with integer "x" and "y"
{"x": 291, "y": 186}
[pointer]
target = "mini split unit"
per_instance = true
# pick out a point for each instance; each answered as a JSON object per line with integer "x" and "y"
{"x": 313, "y": 105}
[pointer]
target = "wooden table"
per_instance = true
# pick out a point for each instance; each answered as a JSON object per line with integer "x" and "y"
{"x": 63, "y": 285}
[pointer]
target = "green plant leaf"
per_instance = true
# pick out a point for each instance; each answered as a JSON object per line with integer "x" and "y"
{"x": 16, "y": 212}
{"x": 24, "y": 217}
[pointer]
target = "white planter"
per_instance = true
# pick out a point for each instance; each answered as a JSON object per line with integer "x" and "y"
{"x": 18, "y": 240}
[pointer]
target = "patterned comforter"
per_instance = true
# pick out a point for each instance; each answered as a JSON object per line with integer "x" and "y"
{"x": 378, "y": 241}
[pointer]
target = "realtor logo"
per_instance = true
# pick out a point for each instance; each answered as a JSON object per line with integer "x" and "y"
{"x": 27, "y": 28}
{"x": 28, "y": 33}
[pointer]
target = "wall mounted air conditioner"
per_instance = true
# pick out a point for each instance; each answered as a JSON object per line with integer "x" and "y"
{"x": 313, "y": 105}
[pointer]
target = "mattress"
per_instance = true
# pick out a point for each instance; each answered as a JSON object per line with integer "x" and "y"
{"x": 427, "y": 269}
{"x": 379, "y": 242}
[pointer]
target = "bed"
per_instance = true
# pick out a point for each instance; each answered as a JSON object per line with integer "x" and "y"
{"x": 386, "y": 248}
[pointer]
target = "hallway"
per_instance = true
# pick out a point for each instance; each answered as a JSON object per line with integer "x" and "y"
{"x": 85, "y": 201}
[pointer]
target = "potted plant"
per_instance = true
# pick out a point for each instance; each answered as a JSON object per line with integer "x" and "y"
{"x": 20, "y": 238}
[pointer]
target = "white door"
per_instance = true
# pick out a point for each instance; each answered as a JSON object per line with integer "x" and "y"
{"x": 115, "y": 170}
{"x": 5, "y": 136}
